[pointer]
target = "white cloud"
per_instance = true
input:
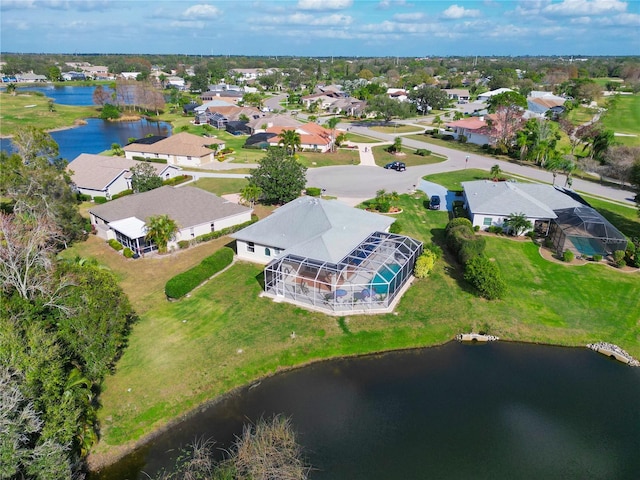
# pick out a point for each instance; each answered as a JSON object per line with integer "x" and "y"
{"x": 409, "y": 17}
{"x": 577, "y": 8}
{"x": 202, "y": 12}
{"x": 324, "y": 4}
{"x": 456, "y": 12}
{"x": 337, "y": 20}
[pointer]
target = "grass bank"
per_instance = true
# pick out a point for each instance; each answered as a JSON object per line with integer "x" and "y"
{"x": 32, "y": 108}
{"x": 181, "y": 354}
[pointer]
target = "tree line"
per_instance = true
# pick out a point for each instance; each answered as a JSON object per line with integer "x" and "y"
{"x": 63, "y": 324}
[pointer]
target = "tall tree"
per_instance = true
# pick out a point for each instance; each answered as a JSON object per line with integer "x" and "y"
{"x": 144, "y": 177}
{"x": 280, "y": 177}
{"x": 290, "y": 140}
{"x": 161, "y": 229}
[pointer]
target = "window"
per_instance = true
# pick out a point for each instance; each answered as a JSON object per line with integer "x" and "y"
{"x": 267, "y": 252}
{"x": 487, "y": 221}
{"x": 251, "y": 247}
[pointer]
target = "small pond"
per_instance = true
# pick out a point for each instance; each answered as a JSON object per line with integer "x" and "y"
{"x": 496, "y": 411}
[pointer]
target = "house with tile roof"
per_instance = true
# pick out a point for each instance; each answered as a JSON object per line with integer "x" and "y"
{"x": 475, "y": 129}
{"x": 328, "y": 256}
{"x": 102, "y": 176}
{"x": 196, "y": 212}
{"x": 183, "y": 149}
{"x": 312, "y": 136}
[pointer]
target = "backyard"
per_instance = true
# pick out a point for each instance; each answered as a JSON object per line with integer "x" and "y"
{"x": 181, "y": 354}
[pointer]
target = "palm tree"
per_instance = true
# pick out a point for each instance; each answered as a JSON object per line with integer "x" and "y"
{"x": 250, "y": 194}
{"x": 517, "y": 223}
{"x": 332, "y": 123}
{"x": 160, "y": 230}
{"x": 496, "y": 171}
{"x": 290, "y": 139}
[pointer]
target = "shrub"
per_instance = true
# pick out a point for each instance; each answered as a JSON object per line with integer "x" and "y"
{"x": 618, "y": 258}
{"x": 100, "y": 200}
{"x": 184, "y": 282}
{"x": 116, "y": 245}
{"x": 123, "y": 193}
{"x": 396, "y": 227}
{"x": 597, "y": 258}
{"x": 313, "y": 191}
{"x": 457, "y": 222}
{"x": 424, "y": 264}
{"x": 485, "y": 276}
{"x": 127, "y": 253}
{"x": 567, "y": 256}
{"x": 182, "y": 244}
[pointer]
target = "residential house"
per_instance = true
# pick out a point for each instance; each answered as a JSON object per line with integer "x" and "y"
{"x": 312, "y": 137}
{"x": 101, "y": 176}
{"x": 327, "y": 256}
{"x": 183, "y": 149}
{"x": 475, "y": 129}
{"x": 490, "y": 203}
{"x": 484, "y": 97}
{"x": 196, "y": 211}
{"x": 460, "y": 95}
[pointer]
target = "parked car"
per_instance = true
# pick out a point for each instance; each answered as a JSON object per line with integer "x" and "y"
{"x": 434, "y": 203}
{"x": 397, "y": 166}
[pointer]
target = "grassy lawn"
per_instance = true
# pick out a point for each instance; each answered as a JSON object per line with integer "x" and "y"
{"x": 31, "y": 108}
{"x": 623, "y": 116}
{"x": 410, "y": 158}
{"x": 396, "y": 129}
{"x": 354, "y": 137}
{"x": 221, "y": 186}
{"x": 181, "y": 354}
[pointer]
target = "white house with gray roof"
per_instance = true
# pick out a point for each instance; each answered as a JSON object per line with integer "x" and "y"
{"x": 101, "y": 176}
{"x": 196, "y": 212}
{"x": 327, "y": 256}
{"x": 490, "y": 203}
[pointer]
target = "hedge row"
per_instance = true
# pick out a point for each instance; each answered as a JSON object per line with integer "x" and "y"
{"x": 479, "y": 271}
{"x": 183, "y": 283}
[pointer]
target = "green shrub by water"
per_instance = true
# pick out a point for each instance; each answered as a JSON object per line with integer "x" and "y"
{"x": 184, "y": 282}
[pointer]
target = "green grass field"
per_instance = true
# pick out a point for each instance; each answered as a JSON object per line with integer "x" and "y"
{"x": 623, "y": 116}
{"x": 224, "y": 335}
{"x": 30, "y": 108}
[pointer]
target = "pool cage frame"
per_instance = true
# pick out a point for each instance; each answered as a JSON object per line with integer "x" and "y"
{"x": 584, "y": 224}
{"x": 368, "y": 279}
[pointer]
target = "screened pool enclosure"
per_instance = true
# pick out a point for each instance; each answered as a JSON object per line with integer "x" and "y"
{"x": 368, "y": 279}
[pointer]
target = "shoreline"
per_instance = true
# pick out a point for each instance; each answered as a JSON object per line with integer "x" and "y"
{"x": 97, "y": 462}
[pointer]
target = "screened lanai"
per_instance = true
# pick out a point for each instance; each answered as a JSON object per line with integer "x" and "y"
{"x": 585, "y": 232}
{"x": 368, "y": 279}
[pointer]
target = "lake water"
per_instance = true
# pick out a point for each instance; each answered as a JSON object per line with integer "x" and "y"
{"x": 496, "y": 411}
{"x": 98, "y": 135}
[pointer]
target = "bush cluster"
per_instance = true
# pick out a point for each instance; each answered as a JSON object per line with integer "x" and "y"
{"x": 479, "y": 271}
{"x": 183, "y": 283}
{"x": 116, "y": 245}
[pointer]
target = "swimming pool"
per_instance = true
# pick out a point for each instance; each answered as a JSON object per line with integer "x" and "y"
{"x": 380, "y": 283}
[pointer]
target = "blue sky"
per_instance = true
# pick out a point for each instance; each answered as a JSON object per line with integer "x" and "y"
{"x": 322, "y": 27}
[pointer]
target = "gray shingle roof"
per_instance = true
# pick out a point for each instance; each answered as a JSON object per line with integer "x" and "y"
{"x": 312, "y": 227}
{"x": 504, "y": 198}
{"x": 98, "y": 171}
{"x": 188, "y": 206}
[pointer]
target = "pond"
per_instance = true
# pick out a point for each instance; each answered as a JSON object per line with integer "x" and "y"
{"x": 98, "y": 135}
{"x": 495, "y": 411}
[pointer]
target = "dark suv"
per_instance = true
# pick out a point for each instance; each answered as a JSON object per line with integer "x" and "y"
{"x": 434, "y": 203}
{"x": 397, "y": 166}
